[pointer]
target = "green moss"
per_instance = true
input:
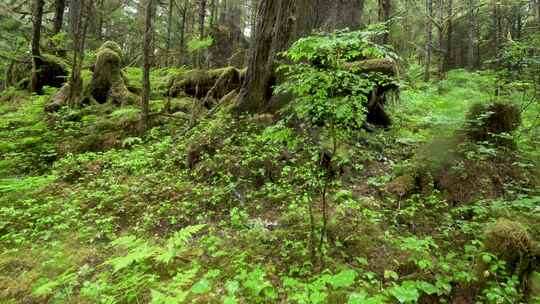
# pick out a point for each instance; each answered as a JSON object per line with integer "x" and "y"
{"x": 510, "y": 242}
{"x": 486, "y": 122}
{"x": 112, "y": 46}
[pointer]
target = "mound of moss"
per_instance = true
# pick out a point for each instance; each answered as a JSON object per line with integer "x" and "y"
{"x": 489, "y": 122}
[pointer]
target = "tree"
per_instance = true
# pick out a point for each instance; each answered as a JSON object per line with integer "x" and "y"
{"x": 429, "y": 39}
{"x": 37, "y": 16}
{"x": 384, "y": 16}
{"x": 279, "y": 24}
{"x": 147, "y": 45}
{"x": 58, "y": 21}
{"x": 78, "y": 27}
{"x": 471, "y": 35}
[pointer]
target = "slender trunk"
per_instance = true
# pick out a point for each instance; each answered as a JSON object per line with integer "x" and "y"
{"x": 441, "y": 50}
{"x": 202, "y": 23}
{"x": 449, "y": 36}
{"x": 213, "y": 11}
{"x": 58, "y": 20}
{"x": 538, "y": 12}
{"x": 147, "y": 45}
{"x": 202, "y": 16}
{"x": 429, "y": 39}
{"x": 471, "y": 36}
{"x": 183, "y": 33}
{"x": 37, "y": 17}
{"x": 168, "y": 56}
{"x": 101, "y": 12}
{"x": 78, "y": 35}
{"x": 384, "y": 16}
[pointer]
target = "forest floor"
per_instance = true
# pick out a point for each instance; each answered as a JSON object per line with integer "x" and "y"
{"x": 230, "y": 209}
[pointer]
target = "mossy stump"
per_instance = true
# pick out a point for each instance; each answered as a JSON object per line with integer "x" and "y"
{"x": 108, "y": 83}
{"x": 493, "y": 123}
{"x": 509, "y": 241}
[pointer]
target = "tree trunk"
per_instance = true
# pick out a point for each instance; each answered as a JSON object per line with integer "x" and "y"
{"x": 58, "y": 21}
{"x": 37, "y": 16}
{"x": 429, "y": 39}
{"x": 168, "y": 56}
{"x": 101, "y": 12}
{"x": 384, "y": 16}
{"x": 147, "y": 45}
{"x": 202, "y": 16}
{"x": 471, "y": 36}
{"x": 78, "y": 35}
{"x": 441, "y": 50}
{"x": 257, "y": 87}
{"x": 279, "y": 24}
{"x": 449, "y": 59}
{"x": 183, "y": 33}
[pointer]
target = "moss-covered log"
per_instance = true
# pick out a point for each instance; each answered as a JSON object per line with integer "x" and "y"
{"x": 53, "y": 72}
{"x": 202, "y": 84}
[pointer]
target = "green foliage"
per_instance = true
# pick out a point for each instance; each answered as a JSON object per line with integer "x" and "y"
{"x": 327, "y": 92}
{"x": 196, "y": 44}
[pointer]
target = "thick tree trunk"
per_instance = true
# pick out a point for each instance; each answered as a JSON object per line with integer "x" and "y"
{"x": 148, "y": 33}
{"x": 279, "y": 24}
{"x": 270, "y": 37}
{"x": 429, "y": 40}
{"x": 37, "y": 16}
{"x": 58, "y": 20}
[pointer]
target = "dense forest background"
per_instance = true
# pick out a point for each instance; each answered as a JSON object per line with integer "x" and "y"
{"x": 270, "y": 151}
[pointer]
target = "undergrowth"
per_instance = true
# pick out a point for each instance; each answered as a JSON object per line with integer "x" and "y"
{"x": 220, "y": 212}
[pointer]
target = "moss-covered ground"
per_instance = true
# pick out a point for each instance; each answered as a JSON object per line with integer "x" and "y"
{"x": 229, "y": 209}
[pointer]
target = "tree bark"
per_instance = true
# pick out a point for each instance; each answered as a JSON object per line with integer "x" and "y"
{"x": 449, "y": 59}
{"x": 256, "y": 90}
{"x": 471, "y": 36}
{"x": 384, "y": 16}
{"x": 183, "y": 33}
{"x": 78, "y": 34}
{"x": 441, "y": 49}
{"x": 169, "y": 32}
{"x": 279, "y": 24}
{"x": 58, "y": 20}
{"x": 429, "y": 39}
{"x": 148, "y": 33}
{"x": 202, "y": 16}
{"x": 37, "y": 17}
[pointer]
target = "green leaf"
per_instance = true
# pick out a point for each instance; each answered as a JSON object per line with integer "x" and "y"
{"x": 201, "y": 287}
{"x": 405, "y": 293}
{"x": 389, "y": 274}
{"x": 343, "y": 279}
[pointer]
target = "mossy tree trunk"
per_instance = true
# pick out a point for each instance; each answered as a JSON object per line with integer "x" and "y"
{"x": 37, "y": 16}
{"x": 148, "y": 33}
{"x": 78, "y": 34}
{"x": 59, "y": 7}
{"x": 279, "y": 24}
